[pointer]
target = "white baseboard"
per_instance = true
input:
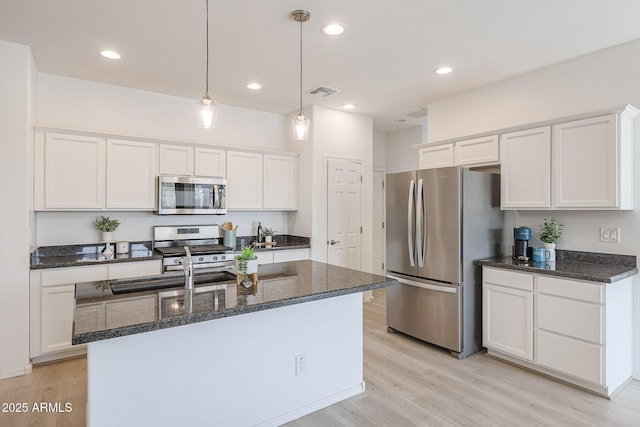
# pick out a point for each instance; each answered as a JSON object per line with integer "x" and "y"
{"x": 16, "y": 372}
{"x": 312, "y": 407}
{"x": 636, "y": 375}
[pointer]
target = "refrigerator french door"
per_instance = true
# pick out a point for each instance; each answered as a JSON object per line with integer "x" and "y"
{"x": 424, "y": 255}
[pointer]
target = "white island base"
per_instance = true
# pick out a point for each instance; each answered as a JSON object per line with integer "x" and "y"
{"x": 234, "y": 371}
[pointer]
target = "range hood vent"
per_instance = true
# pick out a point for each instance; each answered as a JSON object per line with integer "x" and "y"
{"x": 324, "y": 91}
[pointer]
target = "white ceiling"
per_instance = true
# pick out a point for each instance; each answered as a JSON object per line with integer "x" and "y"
{"x": 383, "y": 63}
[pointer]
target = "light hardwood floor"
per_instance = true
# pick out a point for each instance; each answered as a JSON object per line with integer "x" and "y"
{"x": 408, "y": 383}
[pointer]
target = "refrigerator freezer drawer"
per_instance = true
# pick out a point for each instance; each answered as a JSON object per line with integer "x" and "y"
{"x": 426, "y": 310}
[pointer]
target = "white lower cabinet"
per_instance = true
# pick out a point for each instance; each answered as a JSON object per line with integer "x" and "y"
{"x": 282, "y": 255}
{"x": 582, "y": 331}
{"x": 52, "y": 298}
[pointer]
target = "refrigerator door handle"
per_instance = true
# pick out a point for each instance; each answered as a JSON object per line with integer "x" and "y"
{"x": 410, "y": 242}
{"x": 421, "y": 224}
{"x": 431, "y": 287}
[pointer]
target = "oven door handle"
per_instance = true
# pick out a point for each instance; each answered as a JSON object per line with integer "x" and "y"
{"x": 178, "y": 267}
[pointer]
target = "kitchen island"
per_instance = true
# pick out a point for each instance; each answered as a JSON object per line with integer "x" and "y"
{"x": 224, "y": 354}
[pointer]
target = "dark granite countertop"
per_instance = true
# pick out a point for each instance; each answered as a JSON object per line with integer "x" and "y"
{"x": 282, "y": 242}
{"x": 78, "y": 255}
{"x": 590, "y": 266}
{"x": 100, "y": 315}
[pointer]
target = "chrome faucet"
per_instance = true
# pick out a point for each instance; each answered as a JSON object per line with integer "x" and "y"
{"x": 187, "y": 266}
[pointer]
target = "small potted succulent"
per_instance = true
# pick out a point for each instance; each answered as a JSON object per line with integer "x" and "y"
{"x": 550, "y": 232}
{"x": 107, "y": 226}
{"x": 247, "y": 266}
{"x": 268, "y": 234}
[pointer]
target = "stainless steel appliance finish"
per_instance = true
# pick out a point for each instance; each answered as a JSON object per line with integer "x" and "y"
{"x": 203, "y": 242}
{"x": 180, "y": 195}
{"x": 438, "y": 222}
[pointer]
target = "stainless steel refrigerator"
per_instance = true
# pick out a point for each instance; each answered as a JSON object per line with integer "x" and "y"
{"x": 438, "y": 222}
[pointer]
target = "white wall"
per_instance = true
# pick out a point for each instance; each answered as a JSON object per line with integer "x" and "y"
{"x": 401, "y": 155}
{"x": 380, "y": 150}
{"x": 16, "y": 120}
{"x": 590, "y": 83}
{"x": 79, "y": 104}
{"x": 333, "y": 134}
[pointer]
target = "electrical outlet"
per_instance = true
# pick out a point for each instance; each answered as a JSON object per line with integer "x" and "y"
{"x": 301, "y": 364}
{"x": 610, "y": 234}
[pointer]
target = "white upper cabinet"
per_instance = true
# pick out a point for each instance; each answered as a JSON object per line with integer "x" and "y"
{"x": 244, "y": 180}
{"x": 131, "y": 174}
{"x": 477, "y": 151}
{"x": 439, "y": 156}
{"x": 525, "y": 180}
{"x": 593, "y": 162}
{"x": 69, "y": 172}
{"x": 176, "y": 160}
{"x": 210, "y": 162}
{"x": 280, "y": 184}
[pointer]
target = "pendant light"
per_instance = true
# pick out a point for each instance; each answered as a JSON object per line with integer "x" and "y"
{"x": 301, "y": 123}
{"x": 207, "y": 107}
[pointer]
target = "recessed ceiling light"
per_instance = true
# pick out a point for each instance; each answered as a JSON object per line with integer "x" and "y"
{"x": 348, "y": 106}
{"x": 110, "y": 54}
{"x": 334, "y": 29}
{"x": 254, "y": 86}
{"x": 445, "y": 69}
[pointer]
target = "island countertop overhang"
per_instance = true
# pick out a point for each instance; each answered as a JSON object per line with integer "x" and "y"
{"x": 100, "y": 315}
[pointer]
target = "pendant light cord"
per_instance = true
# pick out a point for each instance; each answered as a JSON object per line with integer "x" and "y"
{"x": 207, "y": 75}
{"x": 301, "y": 67}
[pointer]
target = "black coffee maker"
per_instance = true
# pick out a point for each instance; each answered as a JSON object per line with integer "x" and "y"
{"x": 521, "y": 236}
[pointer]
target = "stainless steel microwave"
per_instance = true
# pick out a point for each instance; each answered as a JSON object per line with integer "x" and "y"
{"x": 180, "y": 195}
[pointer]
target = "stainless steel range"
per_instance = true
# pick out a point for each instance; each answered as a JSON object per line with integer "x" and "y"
{"x": 203, "y": 242}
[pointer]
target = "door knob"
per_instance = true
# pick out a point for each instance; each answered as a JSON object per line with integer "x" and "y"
{"x": 333, "y": 242}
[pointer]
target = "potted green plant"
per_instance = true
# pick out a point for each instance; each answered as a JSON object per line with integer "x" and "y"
{"x": 268, "y": 234}
{"x": 107, "y": 226}
{"x": 246, "y": 265}
{"x": 550, "y": 232}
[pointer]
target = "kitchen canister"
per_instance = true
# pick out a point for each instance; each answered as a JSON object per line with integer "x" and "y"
{"x": 229, "y": 238}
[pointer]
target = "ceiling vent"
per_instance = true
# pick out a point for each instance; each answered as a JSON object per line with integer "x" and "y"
{"x": 416, "y": 114}
{"x": 324, "y": 91}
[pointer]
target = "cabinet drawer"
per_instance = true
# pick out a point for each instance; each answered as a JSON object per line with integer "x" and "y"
{"x": 265, "y": 257}
{"x": 290, "y": 255}
{"x": 127, "y": 270}
{"x": 72, "y": 275}
{"x": 507, "y": 278}
{"x": 577, "y": 358}
{"x": 577, "y": 319}
{"x": 585, "y": 291}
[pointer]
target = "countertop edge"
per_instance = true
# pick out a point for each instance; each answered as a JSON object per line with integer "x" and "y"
{"x": 203, "y": 317}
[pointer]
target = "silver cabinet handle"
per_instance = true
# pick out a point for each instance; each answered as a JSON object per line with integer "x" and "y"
{"x": 333, "y": 242}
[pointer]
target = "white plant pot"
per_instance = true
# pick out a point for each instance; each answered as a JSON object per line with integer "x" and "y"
{"x": 268, "y": 239}
{"x": 107, "y": 236}
{"x": 251, "y": 266}
{"x": 549, "y": 252}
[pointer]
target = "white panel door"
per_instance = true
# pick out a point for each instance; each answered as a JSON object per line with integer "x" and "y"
{"x": 525, "y": 169}
{"x": 131, "y": 174}
{"x": 176, "y": 160}
{"x": 56, "y": 322}
{"x": 585, "y": 163}
{"x": 74, "y": 172}
{"x": 507, "y": 320}
{"x": 244, "y": 180}
{"x": 344, "y": 223}
{"x": 210, "y": 162}
{"x": 280, "y": 184}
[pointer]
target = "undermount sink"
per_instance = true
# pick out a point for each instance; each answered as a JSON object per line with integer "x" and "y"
{"x": 177, "y": 302}
{"x": 149, "y": 284}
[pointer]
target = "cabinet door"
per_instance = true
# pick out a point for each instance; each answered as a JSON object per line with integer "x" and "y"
{"x": 280, "y": 183}
{"x": 56, "y": 321}
{"x": 210, "y": 162}
{"x": 477, "y": 151}
{"x": 507, "y": 320}
{"x": 74, "y": 172}
{"x": 131, "y": 174}
{"x": 525, "y": 169}
{"x": 435, "y": 157}
{"x": 244, "y": 180}
{"x": 585, "y": 164}
{"x": 176, "y": 160}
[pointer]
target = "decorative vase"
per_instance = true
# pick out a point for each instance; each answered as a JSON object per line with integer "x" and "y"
{"x": 549, "y": 252}
{"x": 247, "y": 272}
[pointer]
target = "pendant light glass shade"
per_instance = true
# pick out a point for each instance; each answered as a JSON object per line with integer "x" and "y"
{"x": 300, "y": 126}
{"x": 207, "y": 113}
